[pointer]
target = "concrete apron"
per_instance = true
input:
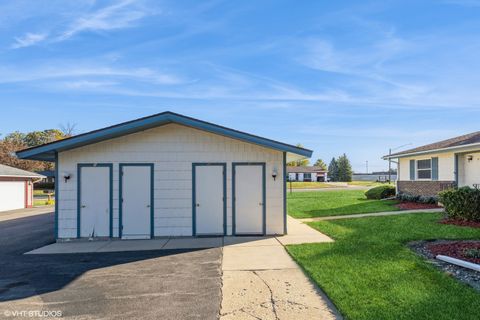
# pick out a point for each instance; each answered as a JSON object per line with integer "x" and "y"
{"x": 261, "y": 281}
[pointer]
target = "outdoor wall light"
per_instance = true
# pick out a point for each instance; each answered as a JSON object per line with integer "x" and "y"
{"x": 274, "y": 173}
{"x": 66, "y": 176}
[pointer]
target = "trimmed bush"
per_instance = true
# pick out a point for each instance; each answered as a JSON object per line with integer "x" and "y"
{"x": 462, "y": 203}
{"x": 380, "y": 192}
{"x": 419, "y": 199}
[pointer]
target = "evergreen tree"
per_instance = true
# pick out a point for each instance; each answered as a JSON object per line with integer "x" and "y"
{"x": 333, "y": 170}
{"x": 344, "y": 169}
{"x": 321, "y": 164}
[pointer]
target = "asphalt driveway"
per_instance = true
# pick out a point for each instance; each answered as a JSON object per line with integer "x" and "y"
{"x": 168, "y": 284}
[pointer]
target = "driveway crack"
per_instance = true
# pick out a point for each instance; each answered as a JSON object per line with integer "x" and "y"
{"x": 272, "y": 300}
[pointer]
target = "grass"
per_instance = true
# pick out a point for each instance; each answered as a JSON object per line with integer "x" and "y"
{"x": 309, "y": 185}
{"x": 39, "y": 193}
{"x": 38, "y": 203}
{"x": 334, "y": 203}
{"x": 366, "y": 183}
{"x": 370, "y": 273}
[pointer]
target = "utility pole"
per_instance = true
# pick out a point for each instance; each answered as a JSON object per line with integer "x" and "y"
{"x": 366, "y": 164}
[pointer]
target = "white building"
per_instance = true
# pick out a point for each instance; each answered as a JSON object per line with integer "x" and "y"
{"x": 307, "y": 173}
{"x": 16, "y": 188}
{"x": 168, "y": 175}
{"x": 428, "y": 169}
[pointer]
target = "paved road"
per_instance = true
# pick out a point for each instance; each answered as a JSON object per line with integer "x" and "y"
{"x": 170, "y": 284}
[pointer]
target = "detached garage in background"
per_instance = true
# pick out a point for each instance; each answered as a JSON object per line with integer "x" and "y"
{"x": 16, "y": 188}
{"x": 168, "y": 175}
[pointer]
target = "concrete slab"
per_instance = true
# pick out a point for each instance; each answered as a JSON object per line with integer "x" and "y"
{"x": 70, "y": 247}
{"x": 272, "y": 294}
{"x": 256, "y": 258}
{"x": 250, "y": 241}
{"x": 193, "y": 243}
{"x": 133, "y": 245}
{"x": 299, "y": 233}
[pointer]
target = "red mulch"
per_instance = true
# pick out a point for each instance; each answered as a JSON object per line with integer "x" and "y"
{"x": 416, "y": 206}
{"x": 461, "y": 223}
{"x": 455, "y": 249}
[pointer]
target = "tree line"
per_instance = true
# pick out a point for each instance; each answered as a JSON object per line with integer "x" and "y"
{"x": 16, "y": 141}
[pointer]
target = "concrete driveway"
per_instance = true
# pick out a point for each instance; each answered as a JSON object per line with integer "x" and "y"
{"x": 168, "y": 284}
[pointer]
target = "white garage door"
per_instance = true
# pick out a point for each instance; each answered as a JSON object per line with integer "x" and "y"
{"x": 137, "y": 203}
{"x": 249, "y": 200}
{"x": 12, "y": 195}
{"x": 209, "y": 205}
{"x": 94, "y": 201}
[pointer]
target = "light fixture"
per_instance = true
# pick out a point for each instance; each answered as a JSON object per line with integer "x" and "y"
{"x": 469, "y": 158}
{"x": 66, "y": 176}
{"x": 274, "y": 173}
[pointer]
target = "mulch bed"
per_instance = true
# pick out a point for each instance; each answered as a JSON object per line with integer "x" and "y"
{"x": 416, "y": 206}
{"x": 461, "y": 223}
{"x": 455, "y": 249}
{"x": 467, "y": 276}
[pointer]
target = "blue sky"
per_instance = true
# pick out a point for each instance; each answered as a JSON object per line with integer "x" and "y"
{"x": 337, "y": 76}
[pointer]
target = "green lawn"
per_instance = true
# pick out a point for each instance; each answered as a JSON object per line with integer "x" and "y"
{"x": 309, "y": 185}
{"x": 334, "y": 203}
{"x": 370, "y": 273}
{"x": 38, "y": 203}
{"x": 367, "y": 183}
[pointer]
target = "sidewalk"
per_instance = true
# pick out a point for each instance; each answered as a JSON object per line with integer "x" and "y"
{"x": 375, "y": 214}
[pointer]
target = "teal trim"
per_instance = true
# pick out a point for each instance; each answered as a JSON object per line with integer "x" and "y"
{"x": 57, "y": 194}
{"x": 120, "y": 195}
{"x": 435, "y": 168}
{"x": 46, "y": 152}
{"x": 79, "y": 194}
{"x": 285, "y": 193}
{"x": 194, "y": 197}
{"x": 264, "y": 198}
{"x": 412, "y": 170}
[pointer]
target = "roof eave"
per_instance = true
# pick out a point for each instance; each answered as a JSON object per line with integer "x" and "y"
{"x": 439, "y": 150}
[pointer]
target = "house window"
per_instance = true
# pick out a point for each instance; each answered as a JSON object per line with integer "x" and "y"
{"x": 307, "y": 177}
{"x": 424, "y": 169}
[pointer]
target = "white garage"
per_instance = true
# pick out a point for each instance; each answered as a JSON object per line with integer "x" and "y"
{"x": 168, "y": 175}
{"x": 16, "y": 188}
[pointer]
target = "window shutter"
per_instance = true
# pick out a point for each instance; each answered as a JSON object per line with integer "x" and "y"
{"x": 412, "y": 170}
{"x": 435, "y": 168}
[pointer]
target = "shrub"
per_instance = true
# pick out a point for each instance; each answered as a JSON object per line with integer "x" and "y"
{"x": 462, "y": 203}
{"x": 419, "y": 199}
{"x": 380, "y": 192}
{"x": 472, "y": 253}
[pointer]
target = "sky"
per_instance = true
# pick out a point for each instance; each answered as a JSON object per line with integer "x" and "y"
{"x": 354, "y": 77}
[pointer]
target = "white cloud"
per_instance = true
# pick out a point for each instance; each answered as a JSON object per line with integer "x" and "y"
{"x": 28, "y": 39}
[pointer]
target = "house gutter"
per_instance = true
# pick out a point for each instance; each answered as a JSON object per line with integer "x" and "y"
{"x": 441, "y": 150}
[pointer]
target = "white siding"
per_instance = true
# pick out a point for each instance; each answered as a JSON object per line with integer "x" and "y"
{"x": 469, "y": 171}
{"x": 172, "y": 148}
{"x": 446, "y": 166}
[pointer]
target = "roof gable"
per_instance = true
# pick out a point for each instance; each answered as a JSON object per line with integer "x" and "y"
{"x": 47, "y": 151}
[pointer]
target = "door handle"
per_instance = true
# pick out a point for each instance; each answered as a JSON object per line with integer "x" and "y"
{"x": 83, "y": 206}
{"x": 198, "y": 204}
{"x": 260, "y": 204}
{"x": 148, "y": 206}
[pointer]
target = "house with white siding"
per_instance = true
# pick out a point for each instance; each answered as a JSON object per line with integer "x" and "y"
{"x": 16, "y": 188}
{"x": 168, "y": 175}
{"x": 306, "y": 173}
{"x": 431, "y": 168}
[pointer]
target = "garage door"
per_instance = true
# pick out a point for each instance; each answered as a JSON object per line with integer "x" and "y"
{"x": 12, "y": 195}
{"x": 249, "y": 198}
{"x": 209, "y": 205}
{"x": 136, "y": 201}
{"x": 95, "y": 200}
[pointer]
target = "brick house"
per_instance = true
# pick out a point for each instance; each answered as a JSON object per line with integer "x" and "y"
{"x": 429, "y": 169}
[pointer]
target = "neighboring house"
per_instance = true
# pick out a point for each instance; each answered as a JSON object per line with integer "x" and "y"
{"x": 16, "y": 188}
{"x": 49, "y": 176}
{"x": 168, "y": 175}
{"x": 428, "y": 169}
{"x": 375, "y": 176}
{"x": 306, "y": 174}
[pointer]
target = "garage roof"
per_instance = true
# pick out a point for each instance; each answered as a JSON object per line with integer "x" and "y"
{"x": 46, "y": 152}
{"x": 7, "y": 171}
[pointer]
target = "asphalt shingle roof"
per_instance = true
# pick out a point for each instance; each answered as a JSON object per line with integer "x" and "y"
{"x": 466, "y": 139}
{"x": 7, "y": 171}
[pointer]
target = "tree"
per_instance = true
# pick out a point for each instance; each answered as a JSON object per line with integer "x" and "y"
{"x": 344, "y": 169}
{"x": 321, "y": 164}
{"x": 68, "y": 129}
{"x": 333, "y": 170}
{"x": 299, "y": 163}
